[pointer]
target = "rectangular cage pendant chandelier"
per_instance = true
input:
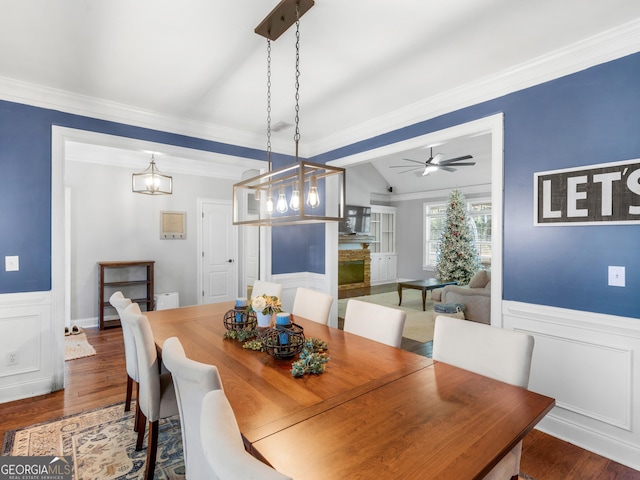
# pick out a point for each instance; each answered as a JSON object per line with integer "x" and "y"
{"x": 303, "y": 192}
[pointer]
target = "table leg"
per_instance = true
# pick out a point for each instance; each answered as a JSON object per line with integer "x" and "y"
{"x": 424, "y": 299}
{"x": 399, "y": 295}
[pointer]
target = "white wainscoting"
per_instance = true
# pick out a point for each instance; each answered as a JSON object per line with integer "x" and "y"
{"x": 590, "y": 363}
{"x": 26, "y": 329}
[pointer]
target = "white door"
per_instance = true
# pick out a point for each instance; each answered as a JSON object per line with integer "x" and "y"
{"x": 219, "y": 266}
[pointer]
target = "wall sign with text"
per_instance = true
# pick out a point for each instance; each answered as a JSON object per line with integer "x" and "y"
{"x": 608, "y": 192}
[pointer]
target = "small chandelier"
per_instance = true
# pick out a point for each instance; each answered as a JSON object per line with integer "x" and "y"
{"x": 297, "y": 193}
{"x": 152, "y": 181}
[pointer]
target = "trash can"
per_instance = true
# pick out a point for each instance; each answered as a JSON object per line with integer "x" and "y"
{"x": 163, "y": 301}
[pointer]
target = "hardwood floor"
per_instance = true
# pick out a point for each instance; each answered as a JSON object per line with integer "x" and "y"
{"x": 100, "y": 380}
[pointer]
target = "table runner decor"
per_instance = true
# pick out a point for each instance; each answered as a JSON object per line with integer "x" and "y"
{"x": 285, "y": 340}
{"x": 240, "y": 319}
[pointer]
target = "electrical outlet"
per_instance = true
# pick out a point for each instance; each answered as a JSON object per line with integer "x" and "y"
{"x": 12, "y": 263}
{"x": 616, "y": 276}
{"x": 13, "y": 359}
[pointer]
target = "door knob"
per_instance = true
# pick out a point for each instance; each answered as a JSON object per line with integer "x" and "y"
{"x": 230, "y": 260}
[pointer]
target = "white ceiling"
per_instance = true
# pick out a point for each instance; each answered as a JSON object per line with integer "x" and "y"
{"x": 362, "y": 61}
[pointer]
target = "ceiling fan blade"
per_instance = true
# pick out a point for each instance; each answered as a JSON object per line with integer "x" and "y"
{"x": 446, "y": 169}
{"x": 436, "y": 159}
{"x": 456, "y": 159}
{"x": 402, "y": 166}
{"x": 456, "y": 164}
{"x": 411, "y": 169}
{"x": 414, "y": 161}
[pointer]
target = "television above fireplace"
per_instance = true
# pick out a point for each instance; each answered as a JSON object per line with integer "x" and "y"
{"x": 357, "y": 220}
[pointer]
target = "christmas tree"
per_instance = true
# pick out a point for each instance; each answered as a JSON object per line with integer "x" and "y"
{"x": 458, "y": 258}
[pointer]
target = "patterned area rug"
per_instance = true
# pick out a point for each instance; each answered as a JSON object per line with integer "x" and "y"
{"x": 77, "y": 346}
{"x": 419, "y": 324}
{"x": 102, "y": 444}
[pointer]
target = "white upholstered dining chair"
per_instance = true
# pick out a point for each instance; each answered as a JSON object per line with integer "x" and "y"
{"x": 260, "y": 287}
{"x": 494, "y": 352}
{"x": 156, "y": 397}
{"x": 312, "y": 304}
{"x": 191, "y": 380}
{"x": 223, "y": 446}
{"x": 120, "y": 302}
{"x": 376, "y": 322}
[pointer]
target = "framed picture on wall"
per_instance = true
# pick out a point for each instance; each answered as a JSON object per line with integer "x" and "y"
{"x": 173, "y": 225}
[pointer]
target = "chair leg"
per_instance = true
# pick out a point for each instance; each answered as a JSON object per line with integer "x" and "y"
{"x": 136, "y": 418}
{"x": 141, "y": 421}
{"x": 152, "y": 449}
{"x": 127, "y": 401}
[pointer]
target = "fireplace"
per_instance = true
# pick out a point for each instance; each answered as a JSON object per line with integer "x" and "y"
{"x": 354, "y": 268}
{"x": 351, "y": 272}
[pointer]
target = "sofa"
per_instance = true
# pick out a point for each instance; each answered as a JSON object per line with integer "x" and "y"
{"x": 476, "y": 297}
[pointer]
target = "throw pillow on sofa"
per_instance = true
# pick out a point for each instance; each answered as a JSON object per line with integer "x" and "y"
{"x": 479, "y": 280}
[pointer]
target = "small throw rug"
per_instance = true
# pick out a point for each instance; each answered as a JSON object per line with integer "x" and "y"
{"x": 77, "y": 346}
{"x": 419, "y": 324}
{"x": 102, "y": 444}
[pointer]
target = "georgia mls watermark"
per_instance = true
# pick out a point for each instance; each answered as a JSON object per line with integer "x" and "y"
{"x": 36, "y": 468}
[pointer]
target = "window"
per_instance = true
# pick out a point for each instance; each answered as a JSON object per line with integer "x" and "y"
{"x": 434, "y": 219}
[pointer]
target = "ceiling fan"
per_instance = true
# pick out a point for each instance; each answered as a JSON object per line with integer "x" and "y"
{"x": 435, "y": 163}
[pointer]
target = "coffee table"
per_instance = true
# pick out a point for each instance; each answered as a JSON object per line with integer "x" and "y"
{"x": 424, "y": 285}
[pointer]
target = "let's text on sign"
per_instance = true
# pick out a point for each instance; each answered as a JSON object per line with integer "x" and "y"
{"x": 609, "y": 192}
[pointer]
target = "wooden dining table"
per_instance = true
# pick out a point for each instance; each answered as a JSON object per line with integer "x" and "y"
{"x": 377, "y": 411}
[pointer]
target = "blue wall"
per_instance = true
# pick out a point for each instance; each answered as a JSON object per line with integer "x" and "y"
{"x": 586, "y": 118}
{"x": 25, "y": 183}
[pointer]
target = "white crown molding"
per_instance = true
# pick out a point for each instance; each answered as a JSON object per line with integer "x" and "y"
{"x": 113, "y": 151}
{"x": 55, "y": 99}
{"x": 611, "y": 45}
{"x": 468, "y": 191}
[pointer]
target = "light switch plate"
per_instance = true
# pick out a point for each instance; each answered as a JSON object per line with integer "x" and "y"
{"x": 616, "y": 276}
{"x": 11, "y": 263}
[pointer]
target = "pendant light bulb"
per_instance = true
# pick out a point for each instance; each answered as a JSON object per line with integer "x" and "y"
{"x": 281, "y": 204}
{"x": 295, "y": 198}
{"x": 313, "y": 199}
{"x": 269, "y": 203}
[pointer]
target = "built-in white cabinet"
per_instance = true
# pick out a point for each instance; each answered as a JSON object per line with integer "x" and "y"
{"x": 384, "y": 260}
{"x": 383, "y": 229}
{"x": 384, "y": 268}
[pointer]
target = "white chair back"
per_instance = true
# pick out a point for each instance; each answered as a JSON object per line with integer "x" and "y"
{"x": 120, "y": 302}
{"x": 261, "y": 287}
{"x": 223, "y": 446}
{"x": 376, "y": 322}
{"x": 156, "y": 395}
{"x": 494, "y": 352}
{"x": 191, "y": 380}
{"x": 312, "y": 305}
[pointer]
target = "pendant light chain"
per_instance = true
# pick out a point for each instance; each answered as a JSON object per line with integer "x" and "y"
{"x": 296, "y": 137}
{"x": 269, "y": 104}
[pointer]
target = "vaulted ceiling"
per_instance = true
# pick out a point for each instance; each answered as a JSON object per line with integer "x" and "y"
{"x": 367, "y": 65}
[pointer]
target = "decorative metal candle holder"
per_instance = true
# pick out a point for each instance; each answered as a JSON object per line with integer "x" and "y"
{"x": 240, "y": 319}
{"x": 283, "y": 341}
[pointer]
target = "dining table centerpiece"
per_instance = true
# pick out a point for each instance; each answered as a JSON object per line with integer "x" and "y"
{"x": 265, "y": 307}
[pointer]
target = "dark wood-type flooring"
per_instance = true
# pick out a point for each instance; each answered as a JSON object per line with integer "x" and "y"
{"x": 100, "y": 380}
